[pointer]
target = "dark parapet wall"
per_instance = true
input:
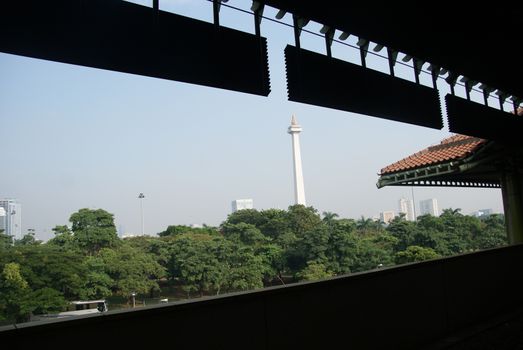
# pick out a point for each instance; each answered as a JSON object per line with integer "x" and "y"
{"x": 125, "y": 37}
{"x": 403, "y": 307}
{"x": 319, "y": 80}
{"x": 474, "y": 119}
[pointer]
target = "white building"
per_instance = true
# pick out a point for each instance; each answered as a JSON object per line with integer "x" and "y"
{"x": 387, "y": 216}
{"x": 239, "y": 204}
{"x": 3, "y": 219}
{"x": 483, "y": 212}
{"x": 429, "y": 206}
{"x": 12, "y": 219}
{"x": 406, "y": 206}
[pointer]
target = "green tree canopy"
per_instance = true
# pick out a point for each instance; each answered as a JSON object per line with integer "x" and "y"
{"x": 14, "y": 291}
{"x": 63, "y": 238}
{"x": 28, "y": 239}
{"x": 274, "y": 223}
{"x": 174, "y": 230}
{"x": 314, "y": 271}
{"x": 93, "y": 230}
{"x": 302, "y": 219}
{"x": 131, "y": 270}
{"x": 415, "y": 254}
{"x": 6, "y": 241}
{"x": 246, "y": 216}
{"x": 243, "y": 233}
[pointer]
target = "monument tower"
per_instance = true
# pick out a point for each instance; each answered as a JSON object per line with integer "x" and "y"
{"x": 299, "y": 188}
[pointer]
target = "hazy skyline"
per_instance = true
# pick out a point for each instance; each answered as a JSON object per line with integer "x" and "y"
{"x": 75, "y": 137}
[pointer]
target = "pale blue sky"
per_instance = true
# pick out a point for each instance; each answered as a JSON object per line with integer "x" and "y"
{"x": 75, "y": 137}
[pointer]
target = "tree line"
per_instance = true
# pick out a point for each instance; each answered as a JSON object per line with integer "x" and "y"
{"x": 250, "y": 249}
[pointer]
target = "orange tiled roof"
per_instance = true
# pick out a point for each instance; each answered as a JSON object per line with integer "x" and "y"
{"x": 452, "y": 148}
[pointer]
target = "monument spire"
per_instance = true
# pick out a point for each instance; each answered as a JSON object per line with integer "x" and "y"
{"x": 299, "y": 187}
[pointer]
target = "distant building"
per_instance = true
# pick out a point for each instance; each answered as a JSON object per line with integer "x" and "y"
{"x": 239, "y": 204}
{"x": 12, "y": 220}
{"x": 3, "y": 219}
{"x": 121, "y": 230}
{"x": 387, "y": 216}
{"x": 483, "y": 212}
{"x": 195, "y": 225}
{"x": 406, "y": 206}
{"x": 429, "y": 206}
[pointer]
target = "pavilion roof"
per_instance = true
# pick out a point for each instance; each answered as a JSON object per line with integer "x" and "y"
{"x": 452, "y": 148}
{"x": 457, "y": 161}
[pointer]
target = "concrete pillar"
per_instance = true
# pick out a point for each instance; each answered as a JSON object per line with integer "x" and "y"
{"x": 511, "y": 189}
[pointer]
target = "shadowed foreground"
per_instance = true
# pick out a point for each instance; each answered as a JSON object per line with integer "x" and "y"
{"x": 458, "y": 302}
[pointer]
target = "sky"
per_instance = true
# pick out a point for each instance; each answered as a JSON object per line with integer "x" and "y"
{"x": 74, "y": 137}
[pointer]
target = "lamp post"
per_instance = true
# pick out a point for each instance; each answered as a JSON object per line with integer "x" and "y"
{"x": 141, "y": 197}
{"x": 133, "y": 294}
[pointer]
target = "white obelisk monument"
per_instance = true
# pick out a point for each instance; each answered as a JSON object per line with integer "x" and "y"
{"x": 299, "y": 188}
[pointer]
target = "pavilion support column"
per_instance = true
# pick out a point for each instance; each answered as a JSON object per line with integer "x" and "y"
{"x": 511, "y": 189}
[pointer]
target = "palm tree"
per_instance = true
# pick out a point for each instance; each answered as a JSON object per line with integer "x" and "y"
{"x": 329, "y": 217}
{"x": 367, "y": 225}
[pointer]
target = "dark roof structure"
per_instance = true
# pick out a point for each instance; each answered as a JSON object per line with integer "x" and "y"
{"x": 463, "y": 39}
{"x": 441, "y": 299}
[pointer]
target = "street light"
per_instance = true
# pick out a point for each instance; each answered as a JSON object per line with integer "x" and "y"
{"x": 134, "y": 300}
{"x": 141, "y": 197}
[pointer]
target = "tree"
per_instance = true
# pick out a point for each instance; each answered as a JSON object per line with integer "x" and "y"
{"x": 47, "y": 266}
{"x": 63, "y": 238}
{"x": 246, "y": 216}
{"x": 302, "y": 219}
{"x": 97, "y": 282}
{"x": 404, "y": 231}
{"x": 415, "y": 254}
{"x": 492, "y": 234}
{"x": 368, "y": 226}
{"x": 370, "y": 255}
{"x": 46, "y": 300}
{"x": 93, "y": 230}
{"x": 6, "y": 241}
{"x": 329, "y": 217}
{"x": 314, "y": 271}
{"x": 28, "y": 239}
{"x": 18, "y": 300}
{"x": 342, "y": 248}
{"x": 158, "y": 248}
{"x": 195, "y": 264}
{"x": 243, "y": 233}
{"x": 274, "y": 223}
{"x": 132, "y": 270}
{"x": 174, "y": 230}
{"x": 273, "y": 261}
{"x": 244, "y": 269}
{"x": 13, "y": 294}
{"x": 311, "y": 246}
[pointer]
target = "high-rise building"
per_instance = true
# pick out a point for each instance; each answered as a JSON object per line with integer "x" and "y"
{"x": 429, "y": 206}
{"x": 3, "y": 220}
{"x": 299, "y": 187}
{"x": 12, "y": 222}
{"x": 387, "y": 216}
{"x": 406, "y": 206}
{"x": 239, "y": 204}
